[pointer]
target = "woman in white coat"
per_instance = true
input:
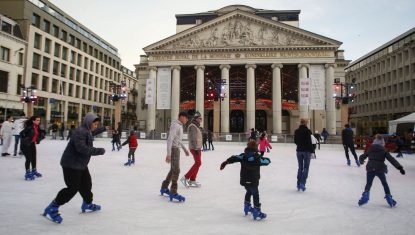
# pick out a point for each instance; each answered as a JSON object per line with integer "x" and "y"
{"x": 6, "y": 135}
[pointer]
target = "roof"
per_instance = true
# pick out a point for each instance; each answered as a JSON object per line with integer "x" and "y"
{"x": 406, "y": 119}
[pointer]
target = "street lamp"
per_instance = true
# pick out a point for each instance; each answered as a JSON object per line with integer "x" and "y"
{"x": 118, "y": 91}
{"x": 28, "y": 94}
{"x": 344, "y": 93}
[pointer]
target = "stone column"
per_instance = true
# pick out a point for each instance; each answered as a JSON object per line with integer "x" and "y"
{"x": 250, "y": 96}
{"x": 224, "y": 113}
{"x": 200, "y": 90}
{"x": 151, "y": 111}
{"x": 48, "y": 111}
{"x": 276, "y": 99}
{"x": 303, "y": 108}
{"x": 175, "y": 93}
{"x": 330, "y": 102}
{"x": 80, "y": 114}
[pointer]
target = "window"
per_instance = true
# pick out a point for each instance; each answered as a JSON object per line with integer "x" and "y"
{"x": 36, "y": 61}
{"x": 45, "y": 83}
{"x": 47, "y": 45}
{"x": 63, "y": 35}
{"x": 35, "y": 78}
{"x": 19, "y": 84}
{"x": 70, "y": 90}
{"x": 62, "y": 87}
{"x": 64, "y": 53}
{"x": 57, "y": 50}
{"x": 72, "y": 58}
{"x": 37, "y": 42}
{"x": 4, "y": 77}
{"x": 79, "y": 60}
{"x": 5, "y": 53}
{"x": 55, "y": 67}
{"x": 54, "y": 86}
{"x": 6, "y": 27}
{"x": 63, "y": 70}
{"x": 20, "y": 58}
{"x": 46, "y": 26}
{"x": 71, "y": 73}
{"x": 55, "y": 31}
{"x": 78, "y": 43}
{"x": 36, "y": 20}
{"x": 45, "y": 64}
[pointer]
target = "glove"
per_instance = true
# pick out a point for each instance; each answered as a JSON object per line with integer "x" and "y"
{"x": 222, "y": 166}
{"x": 402, "y": 171}
{"x": 362, "y": 162}
{"x": 100, "y": 151}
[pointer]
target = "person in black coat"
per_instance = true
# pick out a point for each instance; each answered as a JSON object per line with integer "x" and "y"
{"x": 318, "y": 138}
{"x": 251, "y": 161}
{"x": 62, "y": 131}
{"x": 348, "y": 143}
{"x": 376, "y": 166}
{"x": 31, "y": 135}
{"x": 302, "y": 138}
{"x": 70, "y": 132}
{"x": 74, "y": 164}
{"x": 209, "y": 137}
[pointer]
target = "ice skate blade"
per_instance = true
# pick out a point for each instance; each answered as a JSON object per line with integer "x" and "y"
{"x": 50, "y": 219}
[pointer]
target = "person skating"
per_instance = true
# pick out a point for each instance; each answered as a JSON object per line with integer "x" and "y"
{"x": 115, "y": 139}
{"x": 251, "y": 161}
{"x": 195, "y": 147}
{"x": 348, "y": 143}
{"x": 18, "y": 126}
{"x": 62, "y": 131}
{"x": 74, "y": 164}
{"x": 210, "y": 140}
{"x": 174, "y": 143}
{"x": 204, "y": 139}
{"x": 6, "y": 135}
{"x": 318, "y": 138}
{"x": 376, "y": 166}
{"x": 263, "y": 144}
{"x": 325, "y": 135}
{"x": 302, "y": 138}
{"x": 132, "y": 145}
{"x": 31, "y": 135}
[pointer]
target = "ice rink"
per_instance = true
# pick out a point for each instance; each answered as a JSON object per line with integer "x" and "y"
{"x": 131, "y": 204}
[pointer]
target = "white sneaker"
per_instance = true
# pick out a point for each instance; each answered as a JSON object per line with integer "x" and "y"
{"x": 193, "y": 183}
{"x": 185, "y": 182}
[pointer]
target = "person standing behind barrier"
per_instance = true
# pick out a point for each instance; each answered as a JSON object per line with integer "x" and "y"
{"x": 302, "y": 138}
{"x": 18, "y": 125}
{"x": 348, "y": 143}
{"x": 209, "y": 137}
{"x": 325, "y": 135}
{"x": 54, "y": 130}
{"x": 6, "y": 135}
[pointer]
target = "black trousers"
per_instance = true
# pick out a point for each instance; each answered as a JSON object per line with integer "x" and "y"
{"x": 76, "y": 181}
{"x": 371, "y": 176}
{"x": 252, "y": 191}
{"x": 346, "y": 150}
{"x": 30, "y": 155}
{"x": 131, "y": 153}
{"x": 211, "y": 144}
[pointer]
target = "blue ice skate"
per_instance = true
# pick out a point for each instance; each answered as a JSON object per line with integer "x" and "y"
{"x": 29, "y": 175}
{"x": 247, "y": 208}
{"x": 390, "y": 200}
{"x": 257, "y": 214}
{"x": 364, "y": 199}
{"x": 133, "y": 161}
{"x": 358, "y": 163}
{"x": 177, "y": 196}
{"x": 90, "y": 207}
{"x": 128, "y": 163}
{"x": 35, "y": 173}
{"x": 164, "y": 191}
{"x": 301, "y": 187}
{"x": 52, "y": 213}
{"x": 348, "y": 162}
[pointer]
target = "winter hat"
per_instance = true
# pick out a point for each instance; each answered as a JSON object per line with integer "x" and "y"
{"x": 379, "y": 140}
{"x": 132, "y": 132}
{"x": 197, "y": 115}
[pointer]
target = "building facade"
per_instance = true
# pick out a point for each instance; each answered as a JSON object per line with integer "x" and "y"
{"x": 12, "y": 52}
{"x": 129, "y": 105}
{"x": 385, "y": 79}
{"x": 241, "y": 68}
{"x": 71, "y": 67}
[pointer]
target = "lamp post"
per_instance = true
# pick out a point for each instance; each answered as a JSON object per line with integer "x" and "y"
{"x": 28, "y": 96}
{"x": 217, "y": 93}
{"x": 344, "y": 93}
{"x": 119, "y": 94}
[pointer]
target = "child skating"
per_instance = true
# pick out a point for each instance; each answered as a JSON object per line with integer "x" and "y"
{"x": 263, "y": 144}
{"x": 132, "y": 144}
{"x": 251, "y": 161}
{"x": 376, "y": 167}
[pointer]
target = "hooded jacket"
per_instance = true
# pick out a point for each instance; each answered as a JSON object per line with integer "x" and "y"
{"x": 347, "y": 136}
{"x": 80, "y": 148}
{"x": 251, "y": 162}
{"x": 377, "y": 155}
{"x": 195, "y": 135}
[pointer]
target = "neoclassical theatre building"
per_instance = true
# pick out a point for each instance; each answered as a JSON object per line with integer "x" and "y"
{"x": 241, "y": 68}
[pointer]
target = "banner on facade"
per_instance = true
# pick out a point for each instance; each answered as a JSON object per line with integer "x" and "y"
{"x": 150, "y": 90}
{"x": 163, "y": 88}
{"x": 317, "y": 87}
{"x": 304, "y": 91}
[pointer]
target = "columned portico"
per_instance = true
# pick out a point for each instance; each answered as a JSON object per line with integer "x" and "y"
{"x": 330, "y": 107}
{"x": 276, "y": 99}
{"x": 200, "y": 90}
{"x": 250, "y": 96}
{"x": 303, "y": 74}
{"x": 175, "y": 92}
{"x": 224, "y": 117}
{"x": 151, "y": 111}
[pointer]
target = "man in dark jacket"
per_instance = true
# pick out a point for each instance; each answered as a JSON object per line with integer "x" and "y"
{"x": 376, "y": 166}
{"x": 348, "y": 143}
{"x": 74, "y": 163}
{"x": 302, "y": 138}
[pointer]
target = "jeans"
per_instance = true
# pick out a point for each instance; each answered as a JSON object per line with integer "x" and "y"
{"x": 76, "y": 181}
{"x": 252, "y": 191}
{"x": 303, "y": 166}
{"x": 371, "y": 175}
{"x": 16, "y": 143}
{"x": 346, "y": 150}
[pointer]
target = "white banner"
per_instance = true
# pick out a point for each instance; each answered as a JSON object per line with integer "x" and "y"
{"x": 304, "y": 91}
{"x": 150, "y": 90}
{"x": 163, "y": 88}
{"x": 317, "y": 96}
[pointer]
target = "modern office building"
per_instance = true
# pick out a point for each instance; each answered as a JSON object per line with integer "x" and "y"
{"x": 12, "y": 52}
{"x": 385, "y": 79}
{"x": 129, "y": 105}
{"x": 71, "y": 67}
{"x": 242, "y": 68}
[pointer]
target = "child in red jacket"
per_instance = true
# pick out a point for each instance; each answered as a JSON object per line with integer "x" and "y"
{"x": 132, "y": 144}
{"x": 263, "y": 144}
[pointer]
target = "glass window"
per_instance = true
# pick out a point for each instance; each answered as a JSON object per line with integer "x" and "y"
{"x": 4, "y": 81}
{"x": 45, "y": 64}
{"x": 54, "y": 86}
{"x": 63, "y": 35}
{"x": 72, "y": 40}
{"x": 79, "y": 60}
{"x": 47, "y": 45}
{"x": 57, "y": 50}
{"x": 46, "y": 26}
{"x": 72, "y": 58}
{"x": 36, "y": 20}
{"x": 55, "y": 31}
{"x": 71, "y": 73}
{"x": 78, "y": 43}
{"x": 63, "y": 70}
{"x": 4, "y": 53}
{"x": 45, "y": 83}
{"x": 64, "y": 53}
{"x": 19, "y": 84}
{"x": 36, "y": 61}
{"x": 6, "y": 27}
{"x": 55, "y": 67}
{"x": 35, "y": 78}
{"x": 20, "y": 59}
{"x": 37, "y": 42}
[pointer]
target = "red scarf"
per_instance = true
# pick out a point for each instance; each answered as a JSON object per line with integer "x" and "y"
{"x": 36, "y": 129}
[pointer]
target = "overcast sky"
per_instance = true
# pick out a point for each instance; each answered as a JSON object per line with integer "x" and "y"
{"x": 130, "y": 25}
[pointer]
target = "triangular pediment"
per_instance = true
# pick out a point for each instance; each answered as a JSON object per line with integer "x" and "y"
{"x": 241, "y": 29}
